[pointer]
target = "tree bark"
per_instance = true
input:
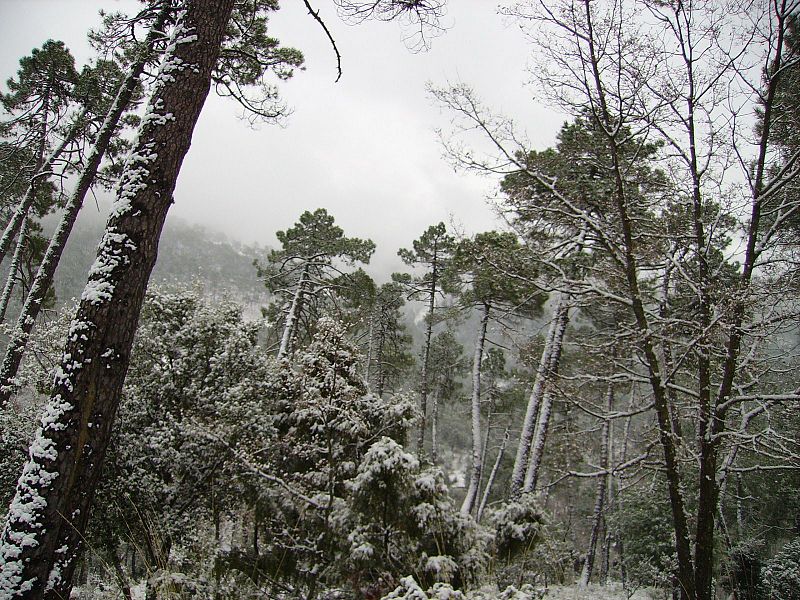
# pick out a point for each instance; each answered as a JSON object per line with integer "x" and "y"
{"x": 535, "y": 401}
{"x": 492, "y": 476}
{"x": 600, "y": 498}
{"x": 435, "y": 428}
{"x": 42, "y": 171}
{"x": 13, "y": 270}
{"x": 537, "y": 450}
{"x": 44, "y": 530}
{"x": 426, "y": 353}
{"x": 475, "y": 472}
{"x": 290, "y": 328}
{"x": 44, "y": 275}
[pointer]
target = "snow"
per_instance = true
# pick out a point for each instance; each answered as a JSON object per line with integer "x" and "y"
{"x": 410, "y": 590}
{"x": 384, "y": 456}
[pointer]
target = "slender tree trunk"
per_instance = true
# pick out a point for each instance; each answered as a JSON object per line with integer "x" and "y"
{"x": 13, "y": 271}
{"x": 475, "y": 472}
{"x": 434, "y": 428}
{"x": 44, "y": 275}
{"x": 605, "y": 556}
{"x": 535, "y": 400}
{"x": 426, "y": 353}
{"x": 380, "y": 380}
{"x": 686, "y": 570}
{"x": 600, "y": 498}
{"x": 42, "y": 171}
{"x": 368, "y": 370}
{"x": 44, "y": 530}
{"x": 488, "y": 428}
{"x": 492, "y": 476}
{"x": 290, "y": 328}
{"x": 543, "y": 424}
{"x": 112, "y": 551}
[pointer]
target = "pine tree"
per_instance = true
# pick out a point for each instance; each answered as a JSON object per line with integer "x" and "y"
{"x": 42, "y": 537}
{"x": 497, "y": 275}
{"x": 304, "y": 268}
{"x": 433, "y": 252}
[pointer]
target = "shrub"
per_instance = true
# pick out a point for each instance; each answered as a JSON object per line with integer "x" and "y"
{"x": 781, "y": 576}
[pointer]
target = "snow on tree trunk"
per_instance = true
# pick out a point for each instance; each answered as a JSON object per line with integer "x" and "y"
{"x": 44, "y": 275}
{"x": 434, "y": 428}
{"x": 370, "y": 340}
{"x": 537, "y": 451}
{"x": 492, "y": 476}
{"x": 42, "y": 537}
{"x": 599, "y": 505}
{"x": 426, "y": 353}
{"x": 477, "y": 467}
{"x": 290, "y": 328}
{"x": 534, "y": 402}
{"x": 14, "y": 269}
{"x": 24, "y": 205}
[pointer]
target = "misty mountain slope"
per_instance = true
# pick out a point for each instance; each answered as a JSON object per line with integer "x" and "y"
{"x": 188, "y": 255}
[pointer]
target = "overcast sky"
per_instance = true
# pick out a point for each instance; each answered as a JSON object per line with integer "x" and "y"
{"x": 365, "y": 148}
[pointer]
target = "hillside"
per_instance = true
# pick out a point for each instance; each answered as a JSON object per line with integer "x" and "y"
{"x": 188, "y": 255}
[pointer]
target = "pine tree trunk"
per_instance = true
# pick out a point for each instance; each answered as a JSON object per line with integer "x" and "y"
{"x": 435, "y": 428}
{"x": 368, "y": 369}
{"x": 42, "y": 171}
{"x": 44, "y": 275}
{"x": 492, "y": 476}
{"x": 44, "y": 530}
{"x": 290, "y": 328}
{"x": 426, "y": 353}
{"x": 537, "y": 450}
{"x": 475, "y": 472}
{"x": 485, "y": 446}
{"x": 534, "y": 402}
{"x": 13, "y": 271}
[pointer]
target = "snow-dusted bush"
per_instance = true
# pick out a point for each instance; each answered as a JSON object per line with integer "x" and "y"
{"x": 518, "y": 525}
{"x": 525, "y": 592}
{"x": 409, "y": 589}
{"x": 781, "y": 575}
{"x": 404, "y": 521}
{"x": 518, "y": 528}
{"x": 195, "y": 390}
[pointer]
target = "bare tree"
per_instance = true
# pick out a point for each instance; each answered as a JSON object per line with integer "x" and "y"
{"x": 663, "y": 88}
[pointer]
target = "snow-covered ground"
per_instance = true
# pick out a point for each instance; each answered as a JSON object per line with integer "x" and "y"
{"x": 612, "y": 591}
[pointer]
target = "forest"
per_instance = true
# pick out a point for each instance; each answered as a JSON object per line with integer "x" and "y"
{"x": 598, "y": 398}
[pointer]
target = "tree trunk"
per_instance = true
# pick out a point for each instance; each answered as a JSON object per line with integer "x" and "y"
{"x": 43, "y": 534}
{"x": 599, "y": 504}
{"x": 535, "y": 400}
{"x": 537, "y": 450}
{"x": 13, "y": 270}
{"x": 492, "y": 476}
{"x": 686, "y": 570}
{"x": 42, "y": 171}
{"x": 475, "y": 473}
{"x": 112, "y": 551}
{"x": 368, "y": 369}
{"x": 44, "y": 275}
{"x": 487, "y": 435}
{"x": 426, "y": 353}
{"x": 290, "y": 328}
{"x": 434, "y": 428}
